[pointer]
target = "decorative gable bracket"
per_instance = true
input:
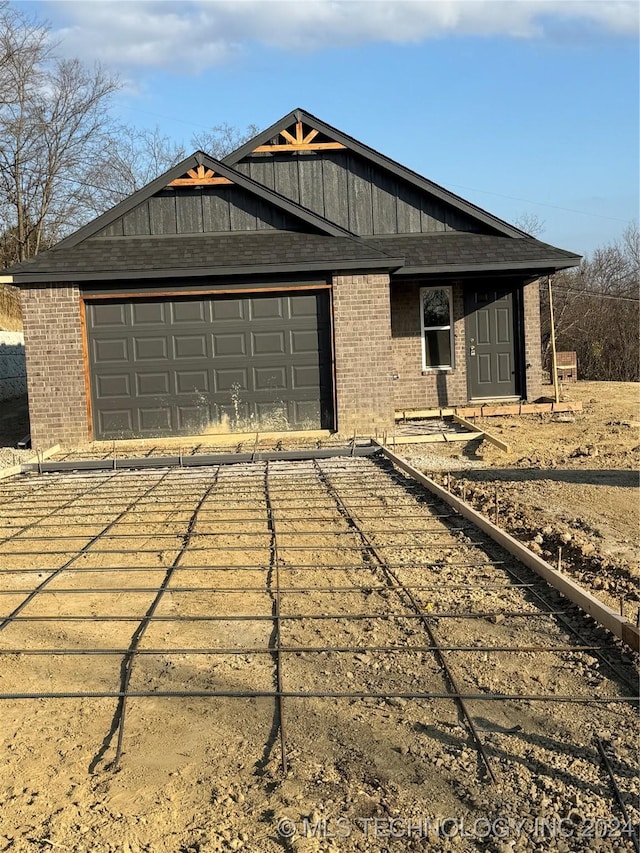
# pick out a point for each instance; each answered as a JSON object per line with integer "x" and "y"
{"x": 199, "y": 177}
{"x": 299, "y": 140}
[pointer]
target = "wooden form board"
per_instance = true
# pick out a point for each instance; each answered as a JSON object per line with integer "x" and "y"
{"x": 434, "y": 438}
{"x": 211, "y": 439}
{"x": 489, "y": 411}
{"x": 17, "y": 469}
{"x": 603, "y": 615}
{"x": 487, "y": 436}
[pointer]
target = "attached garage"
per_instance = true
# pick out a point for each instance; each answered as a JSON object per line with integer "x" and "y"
{"x": 166, "y": 366}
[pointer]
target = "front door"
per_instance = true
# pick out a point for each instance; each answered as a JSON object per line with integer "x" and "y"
{"x": 491, "y": 351}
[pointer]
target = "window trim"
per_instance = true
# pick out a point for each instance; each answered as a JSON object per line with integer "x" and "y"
{"x": 429, "y": 368}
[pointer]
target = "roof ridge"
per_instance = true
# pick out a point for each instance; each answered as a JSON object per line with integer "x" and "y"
{"x": 383, "y": 160}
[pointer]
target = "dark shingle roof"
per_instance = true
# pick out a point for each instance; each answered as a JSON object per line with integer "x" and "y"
{"x": 282, "y": 251}
{"x": 464, "y": 251}
{"x": 200, "y": 254}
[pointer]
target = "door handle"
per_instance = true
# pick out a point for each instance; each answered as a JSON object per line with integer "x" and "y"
{"x": 472, "y": 350}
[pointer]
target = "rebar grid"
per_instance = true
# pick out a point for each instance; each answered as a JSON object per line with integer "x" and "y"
{"x": 363, "y": 494}
{"x": 379, "y": 565}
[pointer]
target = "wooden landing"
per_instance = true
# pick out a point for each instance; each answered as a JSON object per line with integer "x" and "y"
{"x": 430, "y": 430}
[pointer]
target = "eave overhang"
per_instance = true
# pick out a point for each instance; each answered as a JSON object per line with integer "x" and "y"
{"x": 386, "y": 264}
{"x": 542, "y": 267}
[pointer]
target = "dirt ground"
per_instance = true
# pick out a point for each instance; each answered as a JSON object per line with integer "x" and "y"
{"x": 569, "y": 481}
{"x": 204, "y": 775}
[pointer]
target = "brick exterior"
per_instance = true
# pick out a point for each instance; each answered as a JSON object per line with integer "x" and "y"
{"x": 55, "y": 365}
{"x": 363, "y": 361}
{"x": 532, "y": 339}
{"x": 377, "y": 334}
{"x": 415, "y": 388}
{"x": 418, "y": 389}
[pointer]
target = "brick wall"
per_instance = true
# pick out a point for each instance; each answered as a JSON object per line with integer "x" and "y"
{"x": 376, "y": 335}
{"x": 362, "y": 325}
{"x": 532, "y": 339}
{"x": 55, "y": 366}
{"x": 415, "y": 388}
{"x": 418, "y": 389}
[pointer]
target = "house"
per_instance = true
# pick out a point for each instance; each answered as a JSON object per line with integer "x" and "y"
{"x": 305, "y": 282}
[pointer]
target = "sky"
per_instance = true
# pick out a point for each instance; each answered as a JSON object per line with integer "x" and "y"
{"x": 524, "y": 107}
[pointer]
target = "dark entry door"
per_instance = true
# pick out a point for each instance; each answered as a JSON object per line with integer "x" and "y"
{"x": 491, "y": 351}
{"x": 185, "y": 366}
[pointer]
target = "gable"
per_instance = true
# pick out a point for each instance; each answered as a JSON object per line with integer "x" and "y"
{"x": 202, "y": 210}
{"x": 341, "y": 179}
{"x": 198, "y": 195}
{"x": 356, "y": 194}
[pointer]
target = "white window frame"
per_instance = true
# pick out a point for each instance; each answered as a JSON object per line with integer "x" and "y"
{"x": 423, "y": 329}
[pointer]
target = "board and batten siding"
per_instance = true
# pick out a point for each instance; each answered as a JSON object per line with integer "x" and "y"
{"x": 202, "y": 210}
{"x": 354, "y": 193}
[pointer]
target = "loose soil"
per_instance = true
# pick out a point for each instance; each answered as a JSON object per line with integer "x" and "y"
{"x": 569, "y": 481}
{"x": 202, "y": 775}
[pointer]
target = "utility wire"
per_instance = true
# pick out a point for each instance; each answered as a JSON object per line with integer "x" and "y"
{"x": 542, "y": 203}
{"x": 595, "y": 293}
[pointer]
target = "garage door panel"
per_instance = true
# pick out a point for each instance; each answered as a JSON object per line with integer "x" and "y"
{"x": 233, "y": 380}
{"x": 229, "y": 344}
{"x": 268, "y": 343}
{"x": 189, "y": 311}
{"x": 267, "y": 308}
{"x": 235, "y": 416}
{"x": 116, "y": 422}
{"x": 104, "y": 315}
{"x": 306, "y": 411}
{"x": 155, "y": 419}
{"x": 149, "y": 384}
{"x": 194, "y": 419}
{"x": 303, "y": 306}
{"x": 273, "y": 415}
{"x": 269, "y": 378}
{"x": 150, "y": 349}
{"x": 112, "y": 386}
{"x": 228, "y": 309}
{"x": 190, "y": 346}
{"x": 307, "y": 376}
{"x": 106, "y": 350}
{"x": 194, "y": 365}
{"x": 148, "y": 313}
{"x": 304, "y": 341}
{"x": 190, "y": 381}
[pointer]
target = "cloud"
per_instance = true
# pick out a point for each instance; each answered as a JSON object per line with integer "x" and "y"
{"x": 196, "y": 34}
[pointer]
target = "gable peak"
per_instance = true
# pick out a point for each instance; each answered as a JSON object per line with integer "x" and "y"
{"x": 199, "y": 176}
{"x": 297, "y": 135}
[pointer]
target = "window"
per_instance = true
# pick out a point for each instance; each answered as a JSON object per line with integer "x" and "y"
{"x": 437, "y": 329}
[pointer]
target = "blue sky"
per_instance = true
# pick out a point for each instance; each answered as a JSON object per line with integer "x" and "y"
{"x": 521, "y": 107}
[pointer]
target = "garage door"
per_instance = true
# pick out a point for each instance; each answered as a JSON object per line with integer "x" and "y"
{"x": 166, "y": 366}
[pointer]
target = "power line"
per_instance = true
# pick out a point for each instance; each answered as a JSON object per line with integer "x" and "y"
{"x": 542, "y": 203}
{"x": 594, "y": 293}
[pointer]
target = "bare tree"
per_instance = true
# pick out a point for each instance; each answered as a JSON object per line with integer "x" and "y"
{"x": 132, "y": 159}
{"x": 597, "y": 311}
{"x": 222, "y": 139}
{"x": 52, "y": 131}
{"x": 135, "y": 157}
{"x": 530, "y": 223}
